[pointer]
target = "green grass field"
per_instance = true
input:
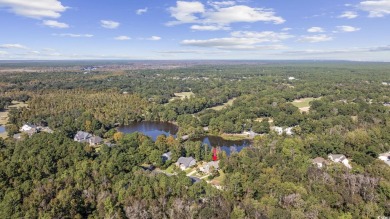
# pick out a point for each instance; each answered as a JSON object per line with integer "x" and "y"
{"x": 304, "y": 102}
{"x": 220, "y": 107}
{"x": 182, "y": 96}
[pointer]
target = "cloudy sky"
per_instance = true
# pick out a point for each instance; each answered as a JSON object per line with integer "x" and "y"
{"x": 167, "y": 29}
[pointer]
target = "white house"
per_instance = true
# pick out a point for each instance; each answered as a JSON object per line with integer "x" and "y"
{"x": 277, "y": 129}
{"x": 27, "y": 127}
{"x": 385, "y": 157}
{"x": 340, "y": 158}
{"x": 281, "y": 130}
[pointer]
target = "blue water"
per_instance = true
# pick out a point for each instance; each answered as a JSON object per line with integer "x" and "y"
{"x": 2, "y": 129}
{"x": 154, "y": 129}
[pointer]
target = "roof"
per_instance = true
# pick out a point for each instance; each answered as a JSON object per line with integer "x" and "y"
{"x": 385, "y": 154}
{"x": 186, "y": 161}
{"x": 168, "y": 154}
{"x": 336, "y": 156}
{"x": 17, "y": 136}
{"x": 318, "y": 160}
{"x": 95, "y": 140}
{"x": 82, "y": 135}
{"x": 214, "y": 164}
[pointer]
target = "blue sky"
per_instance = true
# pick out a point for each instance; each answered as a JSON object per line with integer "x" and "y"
{"x": 155, "y": 29}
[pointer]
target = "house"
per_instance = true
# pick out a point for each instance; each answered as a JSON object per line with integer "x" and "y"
{"x": 185, "y": 162}
{"x": 319, "y": 161}
{"x": 17, "y": 136}
{"x": 27, "y": 127}
{"x": 166, "y": 156}
{"x": 31, "y": 132}
{"x": 281, "y": 130}
{"x": 208, "y": 167}
{"x": 288, "y": 131}
{"x": 95, "y": 140}
{"x": 46, "y": 129}
{"x": 340, "y": 158}
{"x": 385, "y": 157}
{"x": 278, "y": 130}
{"x": 82, "y": 136}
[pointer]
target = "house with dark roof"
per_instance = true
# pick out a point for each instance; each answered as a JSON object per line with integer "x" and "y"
{"x": 185, "y": 162}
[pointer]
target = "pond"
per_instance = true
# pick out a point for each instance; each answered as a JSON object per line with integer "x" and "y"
{"x": 2, "y": 129}
{"x": 154, "y": 129}
{"x": 151, "y": 129}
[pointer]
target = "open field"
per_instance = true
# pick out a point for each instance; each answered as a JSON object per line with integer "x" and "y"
{"x": 234, "y": 137}
{"x": 218, "y": 180}
{"x": 303, "y": 104}
{"x": 4, "y": 114}
{"x": 182, "y": 96}
{"x": 220, "y": 107}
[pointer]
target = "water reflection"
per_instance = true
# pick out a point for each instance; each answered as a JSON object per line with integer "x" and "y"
{"x": 154, "y": 129}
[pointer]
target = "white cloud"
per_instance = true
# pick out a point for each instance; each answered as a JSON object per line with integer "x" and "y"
{"x": 315, "y": 30}
{"x": 242, "y": 40}
{"x": 347, "y": 28}
{"x": 154, "y": 38}
{"x": 122, "y": 38}
{"x": 73, "y": 35}
{"x": 349, "y": 15}
{"x": 209, "y": 27}
{"x": 109, "y": 24}
{"x": 316, "y": 38}
{"x": 55, "y": 24}
{"x": 12, "y": 46}
{"x": 3, "y": 53}
{"x": 375, "y": 8}
{"x": 222, "y": 14}
{"x": 37, "y": 9}
{"x": 242, "y": 13}
{"x": 184, "y": 12}
{"x": 141, "y": 11}
{"x": 265, "y": 36}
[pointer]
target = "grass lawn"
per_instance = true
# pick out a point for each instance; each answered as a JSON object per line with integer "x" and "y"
{"x": 234, "y": 137}
{"x": 3, "y": 117}
{"x": 303, "y": 104}
{"x": 218, "y": 180}
{"x": 170, "y": 169}
{"x": 182, "y": 95}
{"x": 4, "y": 114}
{"x": 220, "y": 107}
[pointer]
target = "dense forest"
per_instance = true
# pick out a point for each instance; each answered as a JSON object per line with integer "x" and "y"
{"x": 52, "y": 176}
